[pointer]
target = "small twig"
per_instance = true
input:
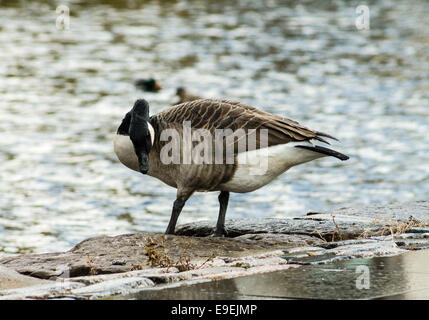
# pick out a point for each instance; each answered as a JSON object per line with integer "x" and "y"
{"x": 337, "y": 227}
{"x": 208, "y": 260}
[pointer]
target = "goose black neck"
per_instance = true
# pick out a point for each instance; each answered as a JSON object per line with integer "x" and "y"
{"x": 125, "y": 125}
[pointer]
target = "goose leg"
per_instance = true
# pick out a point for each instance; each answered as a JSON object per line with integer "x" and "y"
{"x": 223, "y": 205}
{"x": 182, "y": 196}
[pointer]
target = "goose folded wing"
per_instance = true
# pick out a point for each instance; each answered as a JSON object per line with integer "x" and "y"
{"x": 224, "y": 114}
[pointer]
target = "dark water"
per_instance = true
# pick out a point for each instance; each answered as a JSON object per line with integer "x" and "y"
{"x": 64, "y": 92}
{"x": 400, "y": 277}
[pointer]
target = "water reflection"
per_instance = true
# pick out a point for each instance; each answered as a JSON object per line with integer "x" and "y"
{"x": 400, "y": 277}
{"x": 63, "y": 93}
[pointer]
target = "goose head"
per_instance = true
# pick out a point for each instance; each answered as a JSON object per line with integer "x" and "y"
{"x": 136, "y": 125}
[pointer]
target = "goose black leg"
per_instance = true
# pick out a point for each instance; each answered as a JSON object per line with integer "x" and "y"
{"x": 178, "y": 205}
{"x": 223, "y": 205}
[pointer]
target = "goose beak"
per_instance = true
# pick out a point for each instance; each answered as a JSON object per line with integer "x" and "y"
{"x": 144, "y": 171}
{"x": 144, "y": 163}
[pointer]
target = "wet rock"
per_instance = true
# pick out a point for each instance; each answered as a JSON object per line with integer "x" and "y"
{"x": 158, "y": 275}
{"x": 94, "y": 256}
{"x": 404, "y": 212}
{"x": 413, "y": 243}
{"x": 340, "y": 224}
{"x": 417, "y": 246}
{"x": 344, "y": 250}
{"x": 51, "y": 289}
{"x": 424, "y": 230}
{"x": 300, "y": 255}
{"x": 365, "y": 250}
{"x": 318, "y": 259}
{"x": 43, "y": 266}
{"x": 124, "y": 253}
{"x": 276, "y": 239}
{"x": 332, "y": 245}
{"x": 114, "y": 287}
{"x": 303, "y": 249}
{"x": 326, "y": 229}
{"x": 10, "y": 279}
{"x": 104, "y": 266}
{"x": 128, "y": 282}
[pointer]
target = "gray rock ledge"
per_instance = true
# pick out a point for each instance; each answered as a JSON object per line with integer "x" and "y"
{"x": 105, "y": 266}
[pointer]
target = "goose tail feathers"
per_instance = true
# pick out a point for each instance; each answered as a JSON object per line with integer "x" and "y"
{"x": 325, "y": 151}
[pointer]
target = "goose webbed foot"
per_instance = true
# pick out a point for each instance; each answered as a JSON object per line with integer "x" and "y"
{"x": 219, "y": 233}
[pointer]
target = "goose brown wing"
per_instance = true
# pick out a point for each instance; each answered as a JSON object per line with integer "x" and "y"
{"x": 224, "y": 114}
{"x": 291, "y": 123}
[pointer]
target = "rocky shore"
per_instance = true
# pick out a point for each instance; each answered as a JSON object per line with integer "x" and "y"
{"x": 105, "y": 267}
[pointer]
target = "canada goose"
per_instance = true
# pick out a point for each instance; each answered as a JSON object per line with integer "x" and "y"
{"x": 184, "y": 96}
{"x": 150, "y": 85}
{"x": 138, "y": 145}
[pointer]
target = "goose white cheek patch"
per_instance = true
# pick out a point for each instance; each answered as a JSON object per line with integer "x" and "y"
{"x": 152, "y": 132}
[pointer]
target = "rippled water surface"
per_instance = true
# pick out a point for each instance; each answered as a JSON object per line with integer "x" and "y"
{"x": 64, "y": 92}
